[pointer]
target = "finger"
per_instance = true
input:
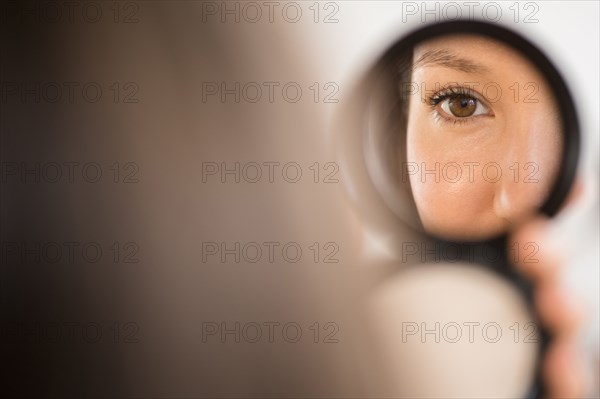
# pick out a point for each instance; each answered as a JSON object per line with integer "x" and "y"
{"x": 563, "y": 372}
{"x": 560, "y": 311}
{"x": 534, "y": 254}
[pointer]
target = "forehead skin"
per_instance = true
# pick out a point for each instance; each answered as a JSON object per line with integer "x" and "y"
{"x": 462, "y": 44}
{"x": 491, "y": 54}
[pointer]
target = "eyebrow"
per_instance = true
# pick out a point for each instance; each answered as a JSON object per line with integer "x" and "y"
{"x": 448, "y": 59}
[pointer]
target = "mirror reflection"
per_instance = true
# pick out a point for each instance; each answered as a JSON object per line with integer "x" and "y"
{"x": 478, "y": 137}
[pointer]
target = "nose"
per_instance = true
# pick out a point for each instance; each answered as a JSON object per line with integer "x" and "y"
{"x": 512, "y": 199}
{"x": 510, "y": 202}
{"x": 529, "y": 158}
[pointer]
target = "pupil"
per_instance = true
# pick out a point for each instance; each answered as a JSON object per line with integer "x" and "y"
{"x": 463, "y": 106}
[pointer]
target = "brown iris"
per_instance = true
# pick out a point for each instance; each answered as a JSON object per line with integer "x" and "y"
{"x": 462, "y": 105}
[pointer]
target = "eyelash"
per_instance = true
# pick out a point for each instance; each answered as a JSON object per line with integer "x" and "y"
{"x": 450, "y": 92}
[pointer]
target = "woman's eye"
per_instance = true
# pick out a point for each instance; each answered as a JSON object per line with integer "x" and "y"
{"x": 463, "y": 106}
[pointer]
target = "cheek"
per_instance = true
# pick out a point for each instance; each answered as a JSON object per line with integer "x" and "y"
{"x": 544, "y": 151}
{"x": 446, "y": 179}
